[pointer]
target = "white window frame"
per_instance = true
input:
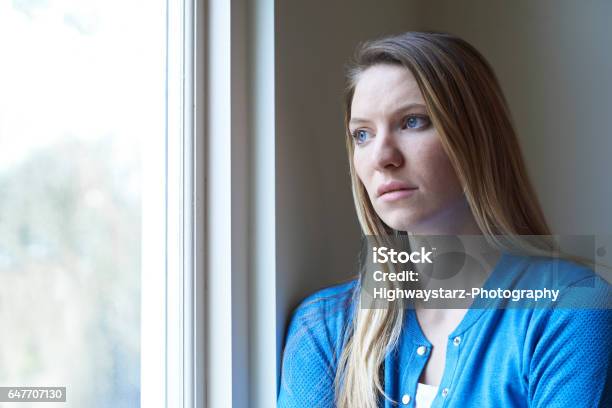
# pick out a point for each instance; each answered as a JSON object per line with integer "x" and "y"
{"x": 241, "y": 318}
{"x": 213, "y": 278}
{"x": 172, "y": 330}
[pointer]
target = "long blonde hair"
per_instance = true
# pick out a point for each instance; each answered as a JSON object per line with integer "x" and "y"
{"x": 467, "y": 108}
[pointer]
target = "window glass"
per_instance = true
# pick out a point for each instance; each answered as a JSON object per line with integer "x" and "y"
{"x": 82, "y": 92}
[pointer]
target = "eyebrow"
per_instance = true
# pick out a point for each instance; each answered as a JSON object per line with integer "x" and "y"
{"x": 402, "y": 109}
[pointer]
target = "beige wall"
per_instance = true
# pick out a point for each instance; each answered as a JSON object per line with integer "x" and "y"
{"x": 552, "y": 58}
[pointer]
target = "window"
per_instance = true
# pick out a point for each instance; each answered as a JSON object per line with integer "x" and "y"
{"x": 83, "y": 208}
{"x": 111, "y": 112}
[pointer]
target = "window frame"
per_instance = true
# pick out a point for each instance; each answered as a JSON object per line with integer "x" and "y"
{"x": 173, "y": 276}
{"x": 219, "y": 342}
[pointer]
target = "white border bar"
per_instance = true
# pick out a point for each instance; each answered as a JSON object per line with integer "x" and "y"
{"x": 219, "y": 252}
{"x": 263, "y": 331}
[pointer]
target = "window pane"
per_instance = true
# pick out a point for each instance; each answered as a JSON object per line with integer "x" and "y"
{"x": 82, "y": 94}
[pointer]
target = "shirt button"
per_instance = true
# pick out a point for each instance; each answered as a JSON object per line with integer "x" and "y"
{"x": 445, "y": 392}
{"x": 457, "y": 340}
{"x": 421, "y": 350}
{"x": 405, "y": 399}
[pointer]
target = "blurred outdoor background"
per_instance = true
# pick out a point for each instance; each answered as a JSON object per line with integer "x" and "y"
{"x": 81, "y": 91}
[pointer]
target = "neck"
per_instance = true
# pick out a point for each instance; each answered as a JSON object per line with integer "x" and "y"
{"x": 456, "y": 220}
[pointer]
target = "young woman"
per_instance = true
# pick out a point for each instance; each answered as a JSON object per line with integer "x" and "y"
{"x": 432, "y": 151}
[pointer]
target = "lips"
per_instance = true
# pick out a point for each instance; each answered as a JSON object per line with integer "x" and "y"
{"x": 393, "y": 187}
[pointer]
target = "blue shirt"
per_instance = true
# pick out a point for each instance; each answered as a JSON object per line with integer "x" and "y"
{"x": 554, "y": 356}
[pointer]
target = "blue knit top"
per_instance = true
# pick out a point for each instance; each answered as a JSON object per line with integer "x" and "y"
{"x": 553, "y": 356}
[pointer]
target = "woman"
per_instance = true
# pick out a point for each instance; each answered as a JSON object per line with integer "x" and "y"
{"x": 432, "y": 151}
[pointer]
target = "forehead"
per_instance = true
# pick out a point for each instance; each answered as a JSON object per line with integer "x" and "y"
{"x": 382, "y": 89}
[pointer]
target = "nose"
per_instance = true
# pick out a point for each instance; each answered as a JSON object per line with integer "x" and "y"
{"x": 387, "y": 154}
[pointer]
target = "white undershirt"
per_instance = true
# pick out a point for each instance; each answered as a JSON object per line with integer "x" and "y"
{"x": 425, "y": 395}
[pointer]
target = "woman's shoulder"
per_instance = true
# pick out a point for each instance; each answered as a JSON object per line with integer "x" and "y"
{"x": 567, "y": 270}
{"x": 570, "y": 343}
{"x": 338, "y": 293}
{"x": 579, "y": 284}
{"x": 315, "y": 338}
{"x": 331, "y": 305}
{"x": 323, "y": 319}
{"x": 566, "y": 341}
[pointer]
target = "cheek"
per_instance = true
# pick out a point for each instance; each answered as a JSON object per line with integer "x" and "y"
{"x": 360, "y": 165}
{"x": 441, "y": 176}
{"x": 363, "y": 170}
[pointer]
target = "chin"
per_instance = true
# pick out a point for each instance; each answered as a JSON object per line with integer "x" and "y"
{"x": 402, "y": 221}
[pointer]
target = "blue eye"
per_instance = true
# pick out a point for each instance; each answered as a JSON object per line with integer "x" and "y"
{"x": 416, "y": 122}
{"x": 360, "y": 136}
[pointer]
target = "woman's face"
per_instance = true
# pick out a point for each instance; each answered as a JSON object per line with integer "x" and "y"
{"x": 399, "y": 158}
